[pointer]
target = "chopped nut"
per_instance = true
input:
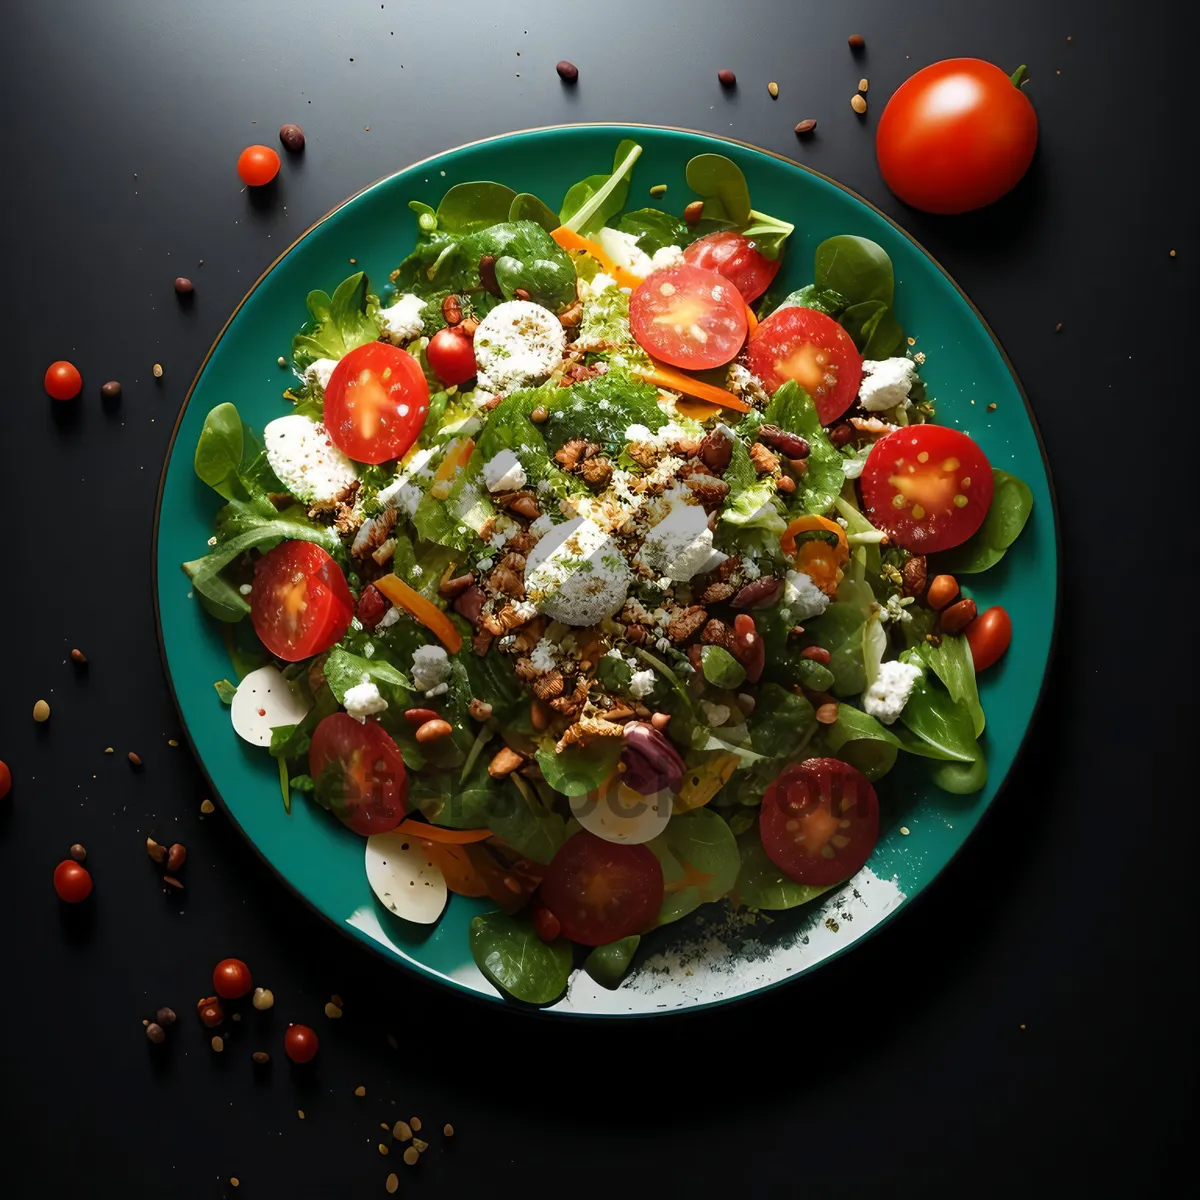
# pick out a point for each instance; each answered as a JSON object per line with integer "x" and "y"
{"x": 78, "y": 656}
{"x": 78, "y": 852}
{"x": 714, "y": 594}
{"x": 172, "y": 881}
{"x": 827, "y": 714}
{"x": 506, "y": 580}
{"x": 805, "y": 127}
{"x": 596, "y": 472}
{"x": 504, "y": 763}
{"x": 447, "y": 1130}
{"x": 686, "y": 622}
{"x": 157, "y": 853}
{"x": 360, "y": 1091}
{"x": 540, "y": 415}
{"x": 206, "y": 806}
{"x": 858, "y": 104}
{"x": 765, "y": 461}
{"x": 481, "y": 710}
{"x": 415, "y": 1122}
{"x": 263, "y": 999}
{"x": 383, "y": 1148}
{"x": 785, "y": 484}
{"x": 709, "y": 492}
{"x": 402, "y": 1132}
{"x": 261, "y": 1057}
{"x": 574, "y": 452}
{"x": 856, "y": 41}
{"x": 760, "y": 593}
{"x": 176, "y": 857}
{"x": 862, "y": 85}
{"x": 134, "y": 759}
{"x": 549, "y": 685}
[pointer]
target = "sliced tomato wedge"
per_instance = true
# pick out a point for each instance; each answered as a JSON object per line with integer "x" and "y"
{"x": 819, "y": 821}
{"x": 358, "y": 773}
{"x": 375, "y": 403}
{"x": 602, "y": 891}
{"x": 735, "y": 256}
{"x": 688, "y": 317}
{"x": 927, "y": 486}
{"x": 300, "y": 604}
{"x": 814, "y": 350}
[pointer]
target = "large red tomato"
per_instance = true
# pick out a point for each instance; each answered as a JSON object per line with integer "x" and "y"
{"x": 958, "y": 135}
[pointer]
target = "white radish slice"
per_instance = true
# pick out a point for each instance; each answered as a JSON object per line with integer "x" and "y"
{"x": 617, "y": 813}
{"x": 405, "y": 881}
{"x": 262, "y": 702}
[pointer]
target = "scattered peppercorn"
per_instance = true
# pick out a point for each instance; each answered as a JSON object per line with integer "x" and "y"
{"x": 78, "y": 853}
{"x": 805, "y": 127}
{"x": 292, "y": 137}
{"x": 184, "y": 286}
{"x": 111, "y": 390}
{"x": 728, "y": 78}
{"x": 78, "y": 656}
{"x": 856, "y": 41}
{"x": 156, "y": 1033}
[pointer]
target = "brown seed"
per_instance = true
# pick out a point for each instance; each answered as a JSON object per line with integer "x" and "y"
{"x": 134, "y": 759}
{"x": 827, "y": 714}
{"x": 176, "y": 857}
{"x": 540, "y": 415}
{"x": 207, "y": 806}
{"x": 862, "y": 85}
{"x": 773, "y": 89}
{"x": 292, "y": 136}
{"x": 218, "y": 1044}
{"x": 210, "y": 1012}
{"x": 568, "y": 72}
{"x": 392, "y": 1183}
{"x": 157, "y": 370}
{"x": 448, "y": 1130}
{"x": 78, "y": 656}
{"x": 451, "y": 310}
{"x": 156, "y": 1033}
{"x": 431, "y": 731}
{"x": 184, "y": 286}
{"x": 261, "y": 1057}
{"x": 111, "y": 390}
{"x": 805, "y": 127}
{"x": 165, "y": 1016}
{"x": 856, "y": 41}
{"x": 401, "y": 1131}
{"x": 411, "y": 1156}
{"x": 694, "y": 212}
{"x": 958, "y": 616}
{"x": 785, "y": 484}
{"x": 727, "y": 78}
{"x": 156, "y": 852}
{"x": 41, "y": 712}
{"x": 300, "y": 1113}
{"x": 78, "y": 853}
{"x": 360, "y": 1091}
{"x": 942, "y": 590}
{"x": 521, "y": 294}
{"x": 858, "y": 104}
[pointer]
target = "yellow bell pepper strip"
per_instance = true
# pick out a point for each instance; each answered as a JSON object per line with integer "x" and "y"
{"x": 457, "y": 456}
{"x": 676, "y": 381}
{"x": 436, "y": 833}
{"x": 571, "y": 241}
{"x": 698, "y": 410}
{"x": 420, "y": 609}
{"x": 820, "y": 558}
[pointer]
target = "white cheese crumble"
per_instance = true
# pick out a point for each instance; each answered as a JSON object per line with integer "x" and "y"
{"x": 589, "y": 290}
{"x": 715, "y": 714}
{"x": 518, "y": 343}
{"x": 402, "y": 322}
{"x": 666, "y": 256}
{"x": 623, "y": 249}
{"x": 543, "y": 655}
{"x": 504, "y": 473}
{"x": 430, "y": 667}
{"x": 319, "y": 372}
{"x": 642, "y": 684}
{"x": 681, "y": 544}
{"x": 307, "y": 463}
{"x": 388, "y": 619}
{"x": 577, "y": 574}
{"x": 802, "y": 598}
{"x": 364, "y": 700}
{"x": 885, "y": 383}
{"x": 525, "y": 610}
{"x": 886, "y": 697}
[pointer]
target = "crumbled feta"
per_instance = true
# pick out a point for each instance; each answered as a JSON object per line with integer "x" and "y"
{"x": 430, "y": 667}
{"x": 439, "y": 690}
{"x": 623, "y": 249}
{"x": 504, "y": 473}
{"x": 661, "y": 438}
{"x": 750, "y": 569}
{"x": 589, "y": 290}
{"x": 681, "y": 544}
{"x": 363, "y": 701}
{"x": 307, "y": 463}
{"x": 541, "y": 526}
{"x": 402, "y": 492}
{"x": 402, "y": 322}
{"x": 319, "y": 372}
{"x": 388, "y": 619}
{"x": 518, "y": 343}
{"x": 525, "y": 610}
{"x": 886, "y": 697}
{"x": 577, "y": 574}
{"x": 666, "y": 256}
{"x": 543, "y": 655}
{"x": 886, "y": 383}
{"x": 714, "y": 714}
{"x": 802, "y": 597}
{"x": 642, "y": 684}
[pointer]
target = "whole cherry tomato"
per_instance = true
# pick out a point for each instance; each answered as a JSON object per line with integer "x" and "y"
{"x": 257, "y": 165}
{"x": 451, "y": 356}
{"x": 956, "y": 136}
{"x": 300, "y": 1043}
{"x": 63, "y": 380}
{"x": 989, "y": 636}
{"x": 5, "y": 779}
{"x": 72, "y": 882}
{"x": 231, "y": 979}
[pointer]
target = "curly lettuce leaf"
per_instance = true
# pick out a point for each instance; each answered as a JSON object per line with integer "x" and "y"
{"x": 339, "y": 324}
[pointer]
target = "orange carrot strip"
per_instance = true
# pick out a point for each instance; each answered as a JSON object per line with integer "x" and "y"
{"x": 436, "y": 833}
{"x": 677, "y": 381}
{"x": 569, "y": 240}
{"x": 457, "y": 456}
{"x": 751, "y": 322}
{"x": 425, "y": 611}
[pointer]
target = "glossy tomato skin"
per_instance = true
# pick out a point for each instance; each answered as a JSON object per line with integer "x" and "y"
{"x": 375, "y": 403}
{"x": 738, "y": 259}
{"x": 956, "y": 136}
{"x": 257, "y": 165}
{"x": 359, "y": 773}
{"x": 814, "y": 350}
{"x": 5, "y": 779}
{"x": 819, "y": 821}
{"x": 927, "y": 486}
{"x": 451, "y": 356}
{"x": 63, "y": 381}
{"x": 602, "y": 891}
{"x": 301, "y": 603}
{"x": 300, "y": 1043}
{"x": 989, "y": 637}
{"x": 231, "y": 979}
{"x": 689, "y": 317}
{"x": 72, "y": 882}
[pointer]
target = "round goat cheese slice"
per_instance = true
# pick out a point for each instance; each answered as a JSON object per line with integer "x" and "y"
{"x": 405, "y": 881}
{"x": 262, "y": 702}
{"x": 577, "y": 574}
{"x": 307, "y": 463}
{"x": 518, "y": 343}
{"x": 617, "y": 813}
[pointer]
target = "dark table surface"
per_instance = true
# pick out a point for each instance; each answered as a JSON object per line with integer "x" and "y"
{"x": 1022, "y": 1023}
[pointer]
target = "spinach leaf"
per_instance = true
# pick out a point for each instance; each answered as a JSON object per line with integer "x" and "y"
{"x": 700, "y": 862}
{"x": 491, "y": 679}
{"x": 856, "y": 267}
{"x": 527, "y": 207}
{"x": 823, "y": 300}
{"x": 791, "y": 408}
{"x": 721, "y": 182}
{"x": 653, "y": 229}
{"x": 219, "y": 452}
{"x": 344, "y": 670}
{"x": 526, "y": 257}
{"x": 444, "y": 801}
{"x": 862, "y": 741}
{"x": 781, "y": 722}
{"x": 339, "y": 324}
{"x": 588, "y": 204}
{"x": 761, "y": 884}
{"x": 839, "y": 630}
{"x": 512, "y": 956}
{"x": 467, "y": 207}
{"x": 603, "y": 407}
{"x": 577, "y": 770}
{"x": 521, "y": 820}
{"x": 951, "y": 662}
{"x": 875, "y": 331}
{"x": 720, "y": 668}
{"x": 961, "y": 778}
{"x": 615, "y": 674}
{"x": 608, "y": 965}
{"x": 291, "y": 742}
{"x": 943, "y": 727}
{"x": 226, "y": 692}
{"x": 1012, "y": 502}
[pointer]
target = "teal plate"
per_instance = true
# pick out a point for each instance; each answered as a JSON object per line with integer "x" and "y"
{"x": 716, "y": 955}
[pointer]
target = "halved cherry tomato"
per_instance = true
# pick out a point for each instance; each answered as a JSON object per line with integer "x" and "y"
{"x": 734, "y": 255}
{"x": 602, "y": 891}
{"x": 63, "y": 380}
{"x": 300, "y": 604}
{"x": 929, "y": 487}
{"x": 231, "y": 979}
{"x": 814, "y": 350}
{"x": 989, "y": 636}
{"x": 688, "y": 317}
{"x": 72, "y": 882}
{"x": 300, "y": 1043}
{"x": 257, "y": 165}
{"x": 819, "y": 821}
{"x": 375, "y": 402}
{"x": 359, "y": 772}
{"x": 451, "y": 356}
{"x": 819, "y": 549}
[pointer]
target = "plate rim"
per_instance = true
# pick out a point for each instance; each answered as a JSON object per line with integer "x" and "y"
{"x": 450, "y": 984}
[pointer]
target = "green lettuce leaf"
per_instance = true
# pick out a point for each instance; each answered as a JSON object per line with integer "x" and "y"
{"x": 339, "y": 324}
{"x": 511, "y": 955}
{"x": 589, "y": 204}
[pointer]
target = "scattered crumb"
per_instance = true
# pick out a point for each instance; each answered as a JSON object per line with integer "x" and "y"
{"x": 300, "y": 1113}
{"x": 904, "y": 829}
{"x": 206, "y": 806}
{"x": 992, "y": 407}
{"x": 332, "y": 1011}
{"x": 383, "y": 1148}
{"x": 361, "y": 1091}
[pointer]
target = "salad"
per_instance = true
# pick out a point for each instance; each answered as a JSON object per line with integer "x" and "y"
{"x": 588, "y": 572}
